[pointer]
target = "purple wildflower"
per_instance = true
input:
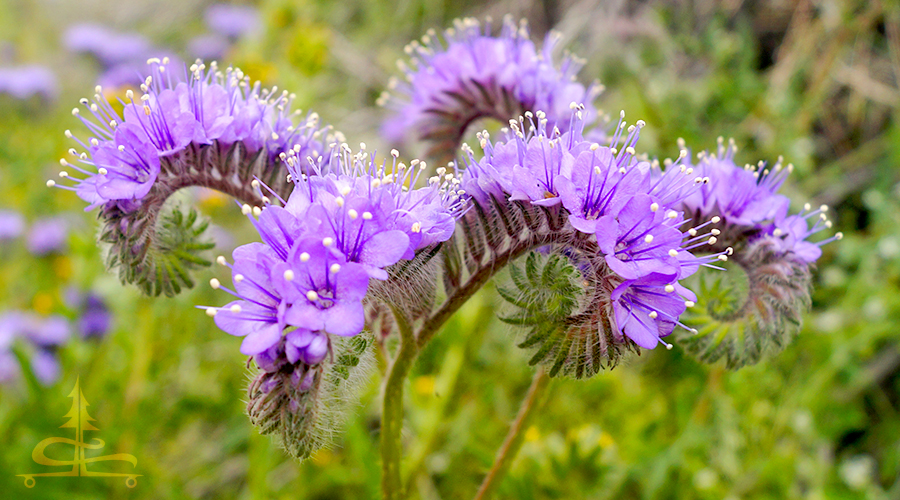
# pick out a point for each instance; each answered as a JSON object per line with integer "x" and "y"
{"x": 44, "y": 335}
{"x": 369, "y": 211}
{"x": 45, "y": 366}
{"x": 473, "y": 74}
{"x": 233, "y": 21}
{"x": 748, "y": 202}
{"x": 620, "y": 215}
{"x": 23, "y": 82}
{"x": 111, "y": 48}
{"x": 258, "y": 314}
{"x": 209, "y": 47}
{"x": 129, "y": 152}
{"x": 95, "y": 319}
{"x": 324, "y": 290}
{"x": 647, "y": 309}
{"x": 47, "y": 236}
{"x": 12, "y": 224}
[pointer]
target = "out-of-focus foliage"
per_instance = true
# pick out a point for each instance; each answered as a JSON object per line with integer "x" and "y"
{"x": 816, "y": 82}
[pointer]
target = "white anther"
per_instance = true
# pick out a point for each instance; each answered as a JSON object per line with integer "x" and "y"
{"x": 238, "y": 278}
{"x": 102, "y": 171}
{"x": 245, "y": 209}
{"x": 254, "y": 183}
{"x": 395, "y": 153}
{"x": 367, "y": 215}
{"x": 824, "y": 208}
{"x": 723, "y": 258}
{"x": 339, "y": 201}
{"x": 256, "y": 211}
{"x": 648, "y": 238}
{"x": 692, "y": 232}
{"x": 210, "y": 312}
{"x": 304, "y": 257}
{"x": 715, "y": 232}
{"x": 353, "y": 214}
{"x": 51, "y": 183}
{"x": 312, "y": 296}
{"x": 712, "y": 240}
{"x": 129, "y": 94}
{"x": 214, "y": 283}
{"x": 327, "y": 241}
{"x": 416, "y": 227}
{"x": 63, "y": 174}
{"x": 289, "y": 275}
{"x": 673, "y": 253}
{"x": 221, "y": 260}
{"x": 236, "y": 309}
{"x": 672, "y": 214}
{"x": 334, "y": 268}
{"x": 669, "y": 288}
{"x": 715, "y": 219}
{"x": 653, "y": 315}
{"x": 654, "y": 207}
{"x": 777, "y": 232}
{"x": 689, "y": 303}
{"x": 839, "y": 236}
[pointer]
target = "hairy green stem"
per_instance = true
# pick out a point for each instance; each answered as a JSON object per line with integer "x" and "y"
{"x": 514, "y": 437}
{"x": 410, "y": 345}
{"x": 392, "y": 410}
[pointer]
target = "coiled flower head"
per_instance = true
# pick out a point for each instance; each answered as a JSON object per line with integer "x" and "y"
{"x": 204, "y": 127}
{"x": 612, "y": 214}
{"x": 772, "y": 250}
{"x": 345, "y": 223}
{"x": 472, "y": 74}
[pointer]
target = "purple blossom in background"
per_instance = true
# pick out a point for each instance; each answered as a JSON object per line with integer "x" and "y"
{"x": 45, "y": 365}
{"x": 95, "y": 319}
{"x": 233, "y": 21}
{"x": 12, "y": 225}
{"x": 48, "y": 236}
{"x": 472, "y": 74}
{"x": 23, "y": 82}
{"x": 50, "y": 331}
{"x": 210, "y": 47}
{"x": 110, "y": 47}
{"x": 44, "y": 335}
{"x": 10, "y": 325}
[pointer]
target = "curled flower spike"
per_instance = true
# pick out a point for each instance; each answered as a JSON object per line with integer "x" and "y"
{"x": 771, "y": 248}
{"x": 348, "y": 220}
{"x": 614, "y": 216}
{"x": 472, "y": 74}
{"x": 198, "y": 126}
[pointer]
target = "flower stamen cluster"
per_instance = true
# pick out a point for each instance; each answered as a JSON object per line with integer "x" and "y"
{"x": 468, "y": 73}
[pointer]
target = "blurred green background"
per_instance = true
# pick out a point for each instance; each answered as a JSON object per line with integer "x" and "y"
{"x": 817, "y": 82}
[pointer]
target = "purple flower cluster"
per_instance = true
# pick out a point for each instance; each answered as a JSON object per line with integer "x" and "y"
{"x": 12, "y": 224}
{"x": 339, "y": 228}
{"x": 473, "y": 74}
{"x": 121, "y": 55}
{"x": 228, "y": 23}
{"x": 128, "y": 154}
{"x": 48, "y": 236}
{"x": 747, "y": 200}
{"x": 41, "y": 335}
{"x": 628, "y": 208}
{"x": 23, "y": 82}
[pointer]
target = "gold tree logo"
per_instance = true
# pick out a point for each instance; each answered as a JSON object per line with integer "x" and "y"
{"x": 80, "y": 421}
